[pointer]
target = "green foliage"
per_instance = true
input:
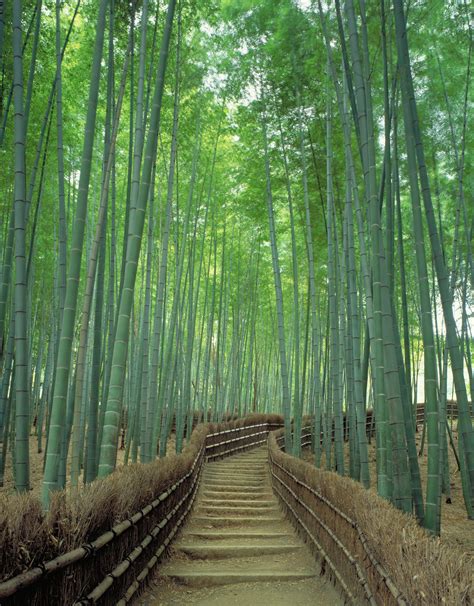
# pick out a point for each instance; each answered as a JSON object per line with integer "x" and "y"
{"x": 239, "y": 60}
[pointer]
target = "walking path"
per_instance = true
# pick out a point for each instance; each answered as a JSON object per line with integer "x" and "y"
{"x": 237, "y": 548}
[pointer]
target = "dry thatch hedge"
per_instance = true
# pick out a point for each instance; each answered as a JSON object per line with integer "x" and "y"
{"x": 425, "y": 571}
{"x": 29, "y": 537}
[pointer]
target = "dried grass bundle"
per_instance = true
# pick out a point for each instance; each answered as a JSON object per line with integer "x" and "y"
{"x": 29, "y": 537}
{"x": 425, "y": 571}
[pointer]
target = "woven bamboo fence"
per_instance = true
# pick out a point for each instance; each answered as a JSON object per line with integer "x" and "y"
{"x": 374, "y": 553}
{"x": 115, "y": 565}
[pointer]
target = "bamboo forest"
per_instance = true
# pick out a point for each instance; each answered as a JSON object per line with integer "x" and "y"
{"x": 236, "y": 302}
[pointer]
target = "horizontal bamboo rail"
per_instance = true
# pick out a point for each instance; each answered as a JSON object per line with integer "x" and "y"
{"x": 339, "y": 542}
{"x": 419, "y": 417}
{"x": 134, "y": 545}
{"x": 115, "y": 565}
{"x": 94, "y": 596}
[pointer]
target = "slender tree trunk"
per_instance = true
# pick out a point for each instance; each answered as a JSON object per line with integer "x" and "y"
{"x": 413, "y": 135}
{"x": 67, "y": 326}
{"x": 108, "y": 449}
{"x": 22, "y": 388}
{"x": 278, "y": 295}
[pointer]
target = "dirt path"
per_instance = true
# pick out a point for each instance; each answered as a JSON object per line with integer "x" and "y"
{"x": 237, "y": 548}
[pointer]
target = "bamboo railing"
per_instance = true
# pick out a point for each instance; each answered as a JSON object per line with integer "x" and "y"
{"x": 337, "y": 540}
{"x": 113, "y": 567}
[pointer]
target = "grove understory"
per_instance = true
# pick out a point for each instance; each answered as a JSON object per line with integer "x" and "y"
{"x": 211, "y": 208}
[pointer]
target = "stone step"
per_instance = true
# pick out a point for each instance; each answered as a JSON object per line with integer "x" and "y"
{"x": 250, "y": 466}
{"x": 208, "y": 473}
{"x": 263, "y": 462}
{"x": 237, "y": 535}
{"x": 240, "y": 457}
{"x": 248, "y": 456}
{"x": 196, "y": 578}
{"x": 223, "y": 482}
{"x": 240, "y": 465}
{"x": 219, "y": 522}
{"x": 228, "y": 493}
{"x": 225, "y": 510}
{"x": 213, "y": 550}
{"x": 236, "y": 464}
{"x": 229, "y": 502}
{"x": 260, "y": 472}
{"x": 233, "y": 475}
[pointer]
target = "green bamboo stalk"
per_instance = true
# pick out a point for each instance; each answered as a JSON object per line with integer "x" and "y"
{"x": 145, "y": 379}
{"x": 172, "y": 362}
{"x": 149, "y": 450}
{"x": 60, "y": 155}
{"x": 11, "y": 91}
{"x": 297, "y": 404}
{"x": 278, "y": 290}
{"x": 335, "y": 396}
{"x": 67, "y": 326}
{"x": 432, "y": 519}
{"x": 387, "y": 383}
{"x": 412, "y": 126}
{"x": 22, "y": 388}
{"x": 31, "y": 75}
{"x": 94, "y": 256}
{"x": 5, "y": 399}
{"x": 108, "y": 449}
{"x": 2, "y": 26}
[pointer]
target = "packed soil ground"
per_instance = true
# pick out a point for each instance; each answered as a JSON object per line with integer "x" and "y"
{"x": 456, "y": 528}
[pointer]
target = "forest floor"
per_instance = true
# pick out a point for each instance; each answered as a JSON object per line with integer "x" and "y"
{"x": 456, "y": 529}
{"x": 37, "y": 462}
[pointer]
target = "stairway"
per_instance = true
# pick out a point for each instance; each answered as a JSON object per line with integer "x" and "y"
{"x": 237, "y": 548}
